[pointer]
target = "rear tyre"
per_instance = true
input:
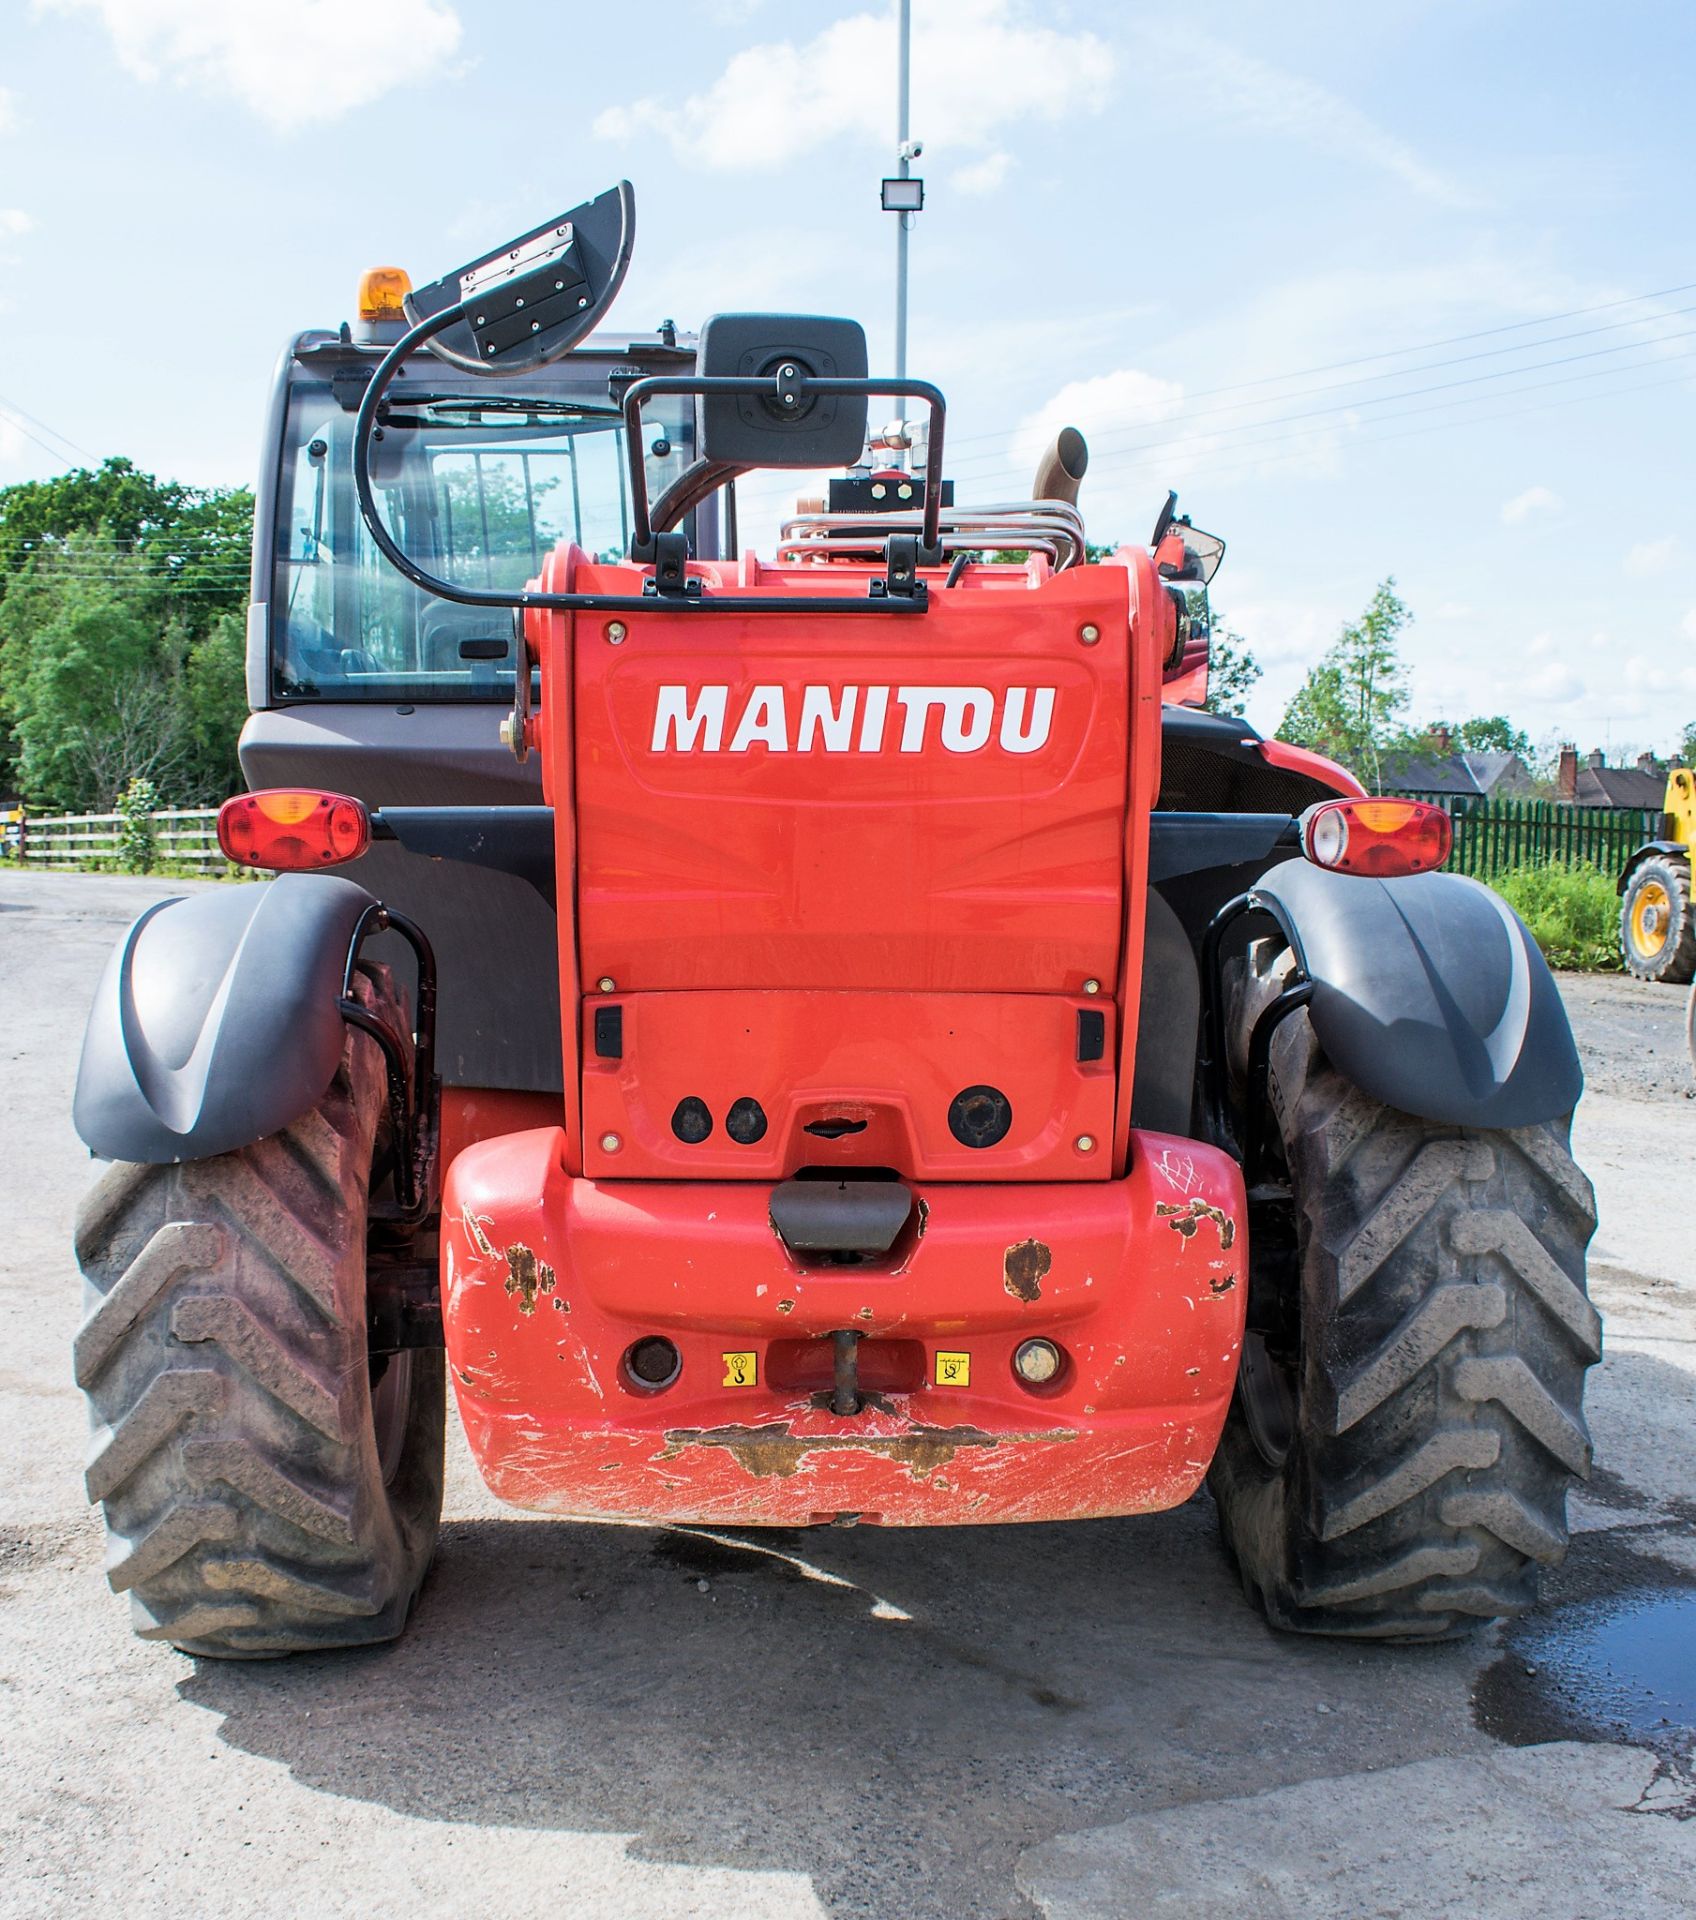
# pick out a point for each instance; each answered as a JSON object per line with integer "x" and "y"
{"x": 269, "y": 1487}
{"x": 1409, "y": 1410}
{"x": 1657, "y": 929}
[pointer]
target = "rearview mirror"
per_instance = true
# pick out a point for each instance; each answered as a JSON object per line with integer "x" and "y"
{"x": 770, "y": 430}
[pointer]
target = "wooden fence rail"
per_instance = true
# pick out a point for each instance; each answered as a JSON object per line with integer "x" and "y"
{"x": 180, "y": 837}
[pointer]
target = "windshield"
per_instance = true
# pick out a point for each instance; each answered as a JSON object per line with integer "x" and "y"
{"x": 477, "y": 486}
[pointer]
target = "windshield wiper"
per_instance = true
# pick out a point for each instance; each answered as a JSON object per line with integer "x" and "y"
{"x": 459, "y": 403}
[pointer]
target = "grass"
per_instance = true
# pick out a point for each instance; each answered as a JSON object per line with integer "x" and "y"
{"x": 1572, "y": 913}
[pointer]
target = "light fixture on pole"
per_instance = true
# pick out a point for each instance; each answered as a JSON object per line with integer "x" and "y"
{"x": 902, "y": 195}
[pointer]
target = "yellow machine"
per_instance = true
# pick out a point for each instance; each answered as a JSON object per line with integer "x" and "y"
{"x": 1657, "y": 930}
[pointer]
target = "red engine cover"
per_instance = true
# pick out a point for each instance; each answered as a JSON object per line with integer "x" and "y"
{"x": 911, "y": 824}
{"x": 906, "y": 803}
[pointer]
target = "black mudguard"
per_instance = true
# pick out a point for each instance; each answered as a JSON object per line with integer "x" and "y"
{"x": 1430, "y": 995}
{"x": 1676, "y": 848}
{"x": 216, "y": 1021}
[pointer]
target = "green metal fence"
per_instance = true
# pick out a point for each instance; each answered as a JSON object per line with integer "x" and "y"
{"x": 1494, "y": 836}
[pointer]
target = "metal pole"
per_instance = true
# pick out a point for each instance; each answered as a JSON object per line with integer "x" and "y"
{"x": 903, "y": 221}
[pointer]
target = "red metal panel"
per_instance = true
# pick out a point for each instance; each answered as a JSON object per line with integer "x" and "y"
{"x": 886, "y": 1064}
{"x": 925, "y": 803}
{"x": 470, "y": 1114}
{"x": 1279, "y": 753}
{"x": 548, "y": 1279}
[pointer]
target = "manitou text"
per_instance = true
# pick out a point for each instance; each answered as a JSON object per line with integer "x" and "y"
{"x": 852, "y": 719}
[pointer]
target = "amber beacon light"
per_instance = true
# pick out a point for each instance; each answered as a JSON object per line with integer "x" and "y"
{"x": 293, "y": 829}
{"x": 1379, "y": 838}
{"x": 382, "y": 293}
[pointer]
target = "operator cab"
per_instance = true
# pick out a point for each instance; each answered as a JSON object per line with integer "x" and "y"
{"x": 360, "y": 682}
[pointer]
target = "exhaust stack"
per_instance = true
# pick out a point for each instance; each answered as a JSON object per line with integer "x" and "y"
{"x": 1061, "y": 468}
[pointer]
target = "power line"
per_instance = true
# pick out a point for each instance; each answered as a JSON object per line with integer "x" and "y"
{"x": 64, "y": 439}
{"x": 1228, "y": 433}
{"x": 1134, "y": 468}
{"x": 1430, "y": 346}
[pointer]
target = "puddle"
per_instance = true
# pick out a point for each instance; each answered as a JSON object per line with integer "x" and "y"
{"x": 1622, "y": 1667}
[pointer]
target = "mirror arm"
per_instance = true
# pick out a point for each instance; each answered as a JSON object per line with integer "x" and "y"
{"x": 774, "y": 387}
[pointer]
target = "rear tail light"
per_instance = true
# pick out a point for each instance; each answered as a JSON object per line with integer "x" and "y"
{"x": 293, "y": 829}
{"x": 1376, "y": 837}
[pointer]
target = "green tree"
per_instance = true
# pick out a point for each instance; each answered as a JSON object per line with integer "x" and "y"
{"x": 215, "y": 692}
{"x": 1491, "y": 733}
{"x": 85, "y": 689}
{"x": 1231, "y": 670}
{"x": 1348, "y": 704}
{"x": 1685, "y": 752}
{"x": 121, "y": 598}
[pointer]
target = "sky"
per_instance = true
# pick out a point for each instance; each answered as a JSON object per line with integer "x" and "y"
{"x": 1404, "y": 289}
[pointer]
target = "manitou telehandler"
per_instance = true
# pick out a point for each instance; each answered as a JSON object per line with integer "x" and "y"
{"x": 900, "y": 1065}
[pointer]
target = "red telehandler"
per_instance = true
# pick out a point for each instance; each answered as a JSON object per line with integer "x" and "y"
{"x": 989, "y": 1089}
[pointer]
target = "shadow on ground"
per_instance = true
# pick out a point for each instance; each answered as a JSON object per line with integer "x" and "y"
{"x": 898, "y": 1729}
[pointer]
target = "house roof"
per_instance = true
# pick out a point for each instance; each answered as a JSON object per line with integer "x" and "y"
{"x": 1458, "y": 773}
{"x": 1620, "y": 787}
{"x": 1427, "y": 773}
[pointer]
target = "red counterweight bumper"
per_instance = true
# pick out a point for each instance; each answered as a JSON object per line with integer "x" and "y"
{"x": 549, "y": 1280}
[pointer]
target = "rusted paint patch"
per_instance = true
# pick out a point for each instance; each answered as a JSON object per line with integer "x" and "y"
{"x": 1186, "y": 1219}
{"x": 1223, "y": 1284}
{"x": 1024, "y": 1267}
{"x": 561, "y": 1304}
{"x": 786, "y": 1306}
{"x": 924, "y": 1215}
{"x": 526, "y": 1276}
{"x": 474, "y": 1232}
{"x": 776, "y": 1451}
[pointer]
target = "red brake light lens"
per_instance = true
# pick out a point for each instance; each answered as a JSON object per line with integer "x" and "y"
{"x": 1381, "y": 838}
{"x": 293, "y": 829}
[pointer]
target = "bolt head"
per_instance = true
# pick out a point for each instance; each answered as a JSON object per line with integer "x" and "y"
{"x": 606, "y": 984}
{"x": 615, "y": 631}
{"x": 1092, "y": 986}
{"x": 1086, "y": 1143}
{"x": 1089, "y": 634}
{"x": 610, "y": 1143}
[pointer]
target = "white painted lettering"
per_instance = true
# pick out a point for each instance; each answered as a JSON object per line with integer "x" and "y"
{"x": 685, "y": 724}
{"x": 1016, "y": 737}
{"x": 833, "y": 724}
{"x": 762, "y": 719}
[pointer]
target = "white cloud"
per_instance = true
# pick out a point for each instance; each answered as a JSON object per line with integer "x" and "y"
{"x": 1688, "y": 623}
{"x": 289, "y": 61}
{"x": 1533, "y": 500}
{"x": 1649, "y": 557}
{"x": 1556, "y": 685}
{"x": 8, "y": 110}
{"x": 985, "y": 175}
{"x": 983, "y": 68}
{"x": 1236, "y": 90}
{"x": 1102, "y": 404}
{"x": 14, "y": 221}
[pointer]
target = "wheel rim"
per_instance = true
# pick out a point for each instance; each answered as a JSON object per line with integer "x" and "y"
{"x": 391, "y": 1405}
{"x": 1651, "y": 915}
{"x": 1267, "y": 1399}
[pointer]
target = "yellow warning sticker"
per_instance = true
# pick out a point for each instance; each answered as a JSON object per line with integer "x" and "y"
{"x": 953, "y": 1369}
{"x": 741, "y": 1369}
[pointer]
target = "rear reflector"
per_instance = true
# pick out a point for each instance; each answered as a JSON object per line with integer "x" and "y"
{"x": 293, "y": 829}
{"x": 1381, "y": 838}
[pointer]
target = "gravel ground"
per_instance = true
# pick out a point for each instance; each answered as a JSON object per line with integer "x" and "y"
{"x": 1000, "y": 1721}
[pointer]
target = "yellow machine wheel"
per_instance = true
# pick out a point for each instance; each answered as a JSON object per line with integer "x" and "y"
{"x": 1657, "y": 932}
